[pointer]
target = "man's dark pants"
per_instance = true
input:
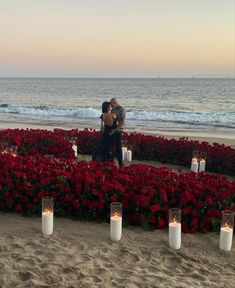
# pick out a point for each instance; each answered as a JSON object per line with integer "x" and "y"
{"x": 118, "y": 146}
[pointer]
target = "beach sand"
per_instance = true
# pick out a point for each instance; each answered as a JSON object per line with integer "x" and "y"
{"x": 81, "y": 254}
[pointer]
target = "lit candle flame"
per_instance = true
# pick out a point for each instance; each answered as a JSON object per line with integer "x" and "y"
{"x": 116, "y": 215}
{"x": 47, "y": 211}
{"x": 226, "y": 226}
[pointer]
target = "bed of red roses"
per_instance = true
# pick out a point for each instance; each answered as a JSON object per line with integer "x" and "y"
{"x": 220, "y": 158}
{"x": 85, "y": 190}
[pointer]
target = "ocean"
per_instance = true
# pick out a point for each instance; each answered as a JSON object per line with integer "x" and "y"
{"x": 151, "y": 104}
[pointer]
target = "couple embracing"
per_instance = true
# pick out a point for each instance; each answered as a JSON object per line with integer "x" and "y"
{"x": 112, "y": 124}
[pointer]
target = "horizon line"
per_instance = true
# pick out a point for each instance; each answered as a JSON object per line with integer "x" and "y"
{"x": 114, "y": 77}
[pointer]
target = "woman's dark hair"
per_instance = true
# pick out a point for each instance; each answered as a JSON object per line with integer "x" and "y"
{"x": 105, "y": 107}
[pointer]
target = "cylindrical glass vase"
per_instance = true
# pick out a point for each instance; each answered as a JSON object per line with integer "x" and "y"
{"x": 226, "y": 230}
{"x": 175, "y": 228}
{"x": 116, "y": 221}
{"x": 47, "y": 216}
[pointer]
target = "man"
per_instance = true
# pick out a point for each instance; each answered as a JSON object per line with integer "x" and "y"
{"x": 121, "y": 115}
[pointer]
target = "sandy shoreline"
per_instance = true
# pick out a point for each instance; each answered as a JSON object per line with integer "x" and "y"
{"x": 80, "y": 254}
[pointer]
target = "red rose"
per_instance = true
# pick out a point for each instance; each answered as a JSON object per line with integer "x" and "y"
{"x": 161, "y": 223}
{"x": 36, "y": 199}
{"x": 75, "y": 203}
{"x": 152, "y": 219}
{"x": 186, "y": 210}
{"x": 155, "y": 208}
{"x": 29, "y": 206}
{"x": 183, "y": 202}
{"x": 41, "y": 194}
{"x": 19, "y": 208}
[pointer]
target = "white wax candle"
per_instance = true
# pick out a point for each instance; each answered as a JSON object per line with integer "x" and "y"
{"x": 202, "y": 165}
{"x": 124, "y": 150}
{"x": 47, "y": 223}
{"x": 129, "y": 155}
{"x": 115, "y": 228}
{"x": 175, "y": 235}
{"x": 75, "y": 149}
{"x": 194, "y": 165}
{"x": 226, "y": 238}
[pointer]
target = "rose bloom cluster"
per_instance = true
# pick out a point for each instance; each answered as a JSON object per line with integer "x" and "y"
{"x": 85, "y": 190}
{"x": 219, "y": 159}
{"x": 35, "y": 141}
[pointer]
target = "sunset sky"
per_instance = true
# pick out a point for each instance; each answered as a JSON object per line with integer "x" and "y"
{"x": 124, "y": 38}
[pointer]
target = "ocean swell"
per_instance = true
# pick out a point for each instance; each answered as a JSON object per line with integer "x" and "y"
{"x": 222, "y": 119}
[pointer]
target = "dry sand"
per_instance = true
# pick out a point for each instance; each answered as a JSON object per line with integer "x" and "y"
{"x": 221, "y": 137}
{"x": 80, "y": 254}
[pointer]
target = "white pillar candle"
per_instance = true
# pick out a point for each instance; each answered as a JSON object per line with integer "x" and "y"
{"x": 115, "y": 228}
{"x": 175, "y": 235}
{"x": 75, "y": 149}
{"x": 124, "y": 150}
{"x": 129, "y": 155}
{"x": 202, "y": 165}
{"x": 226, "y": 238}
{"x": 47, "y": 223}
{"x": 194, "y": 165}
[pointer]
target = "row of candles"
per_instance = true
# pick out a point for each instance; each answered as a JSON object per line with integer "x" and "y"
{"x": 198, "y": 165}
{"x": 226, "y": 230}
{"x": 126, "y": 154}
{"x": 12, "y": 150}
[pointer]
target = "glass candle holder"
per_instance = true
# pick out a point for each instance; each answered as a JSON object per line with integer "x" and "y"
{"x": 226, "y": 230}
{"x": 47, "y": 216}
{"x": 116, "y": 221}
{"x": 129, "y": 155}
{"x": 175, "y": 228}
{"x": 202, "y": 165}
{"x": 124, "y": 153}
{"x": 194, "y": 165}
{"x": 13, "y": 151}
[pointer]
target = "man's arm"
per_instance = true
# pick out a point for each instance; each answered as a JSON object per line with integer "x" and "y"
{"x": 122, "y": 117}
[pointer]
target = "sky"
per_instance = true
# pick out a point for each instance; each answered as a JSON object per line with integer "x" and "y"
{"x": 117, "y": 38}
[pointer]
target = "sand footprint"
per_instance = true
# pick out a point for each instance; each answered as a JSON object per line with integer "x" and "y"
{"x": 131, "y": 258}
{"x": 15, "y": 256}
{"x": 125, "y": 273}
{"x": 198, "y": 277}
{"x": 92, "y": 279}
{"x": 2, "y": 265}
{"x": 99, "y": 271}
{"x": 25, "y": 276}
{"x": 153, "y": 269}
{"x": 170, "y": 262}
{"x": 3, "y": 249}
{"x": 84, "y": 258}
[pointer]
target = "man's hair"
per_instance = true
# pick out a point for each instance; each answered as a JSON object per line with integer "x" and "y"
{"x": 114, "y": 100}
